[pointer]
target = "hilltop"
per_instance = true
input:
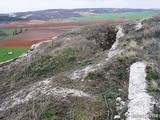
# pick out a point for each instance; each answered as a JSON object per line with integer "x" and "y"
{"x": 84, "y": 74}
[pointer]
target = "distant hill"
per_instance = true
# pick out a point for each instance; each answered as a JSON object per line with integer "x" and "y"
{"x": 65, "y": 13}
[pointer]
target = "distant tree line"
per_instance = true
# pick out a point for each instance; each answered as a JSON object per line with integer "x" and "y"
{"x": 18, "y": 31}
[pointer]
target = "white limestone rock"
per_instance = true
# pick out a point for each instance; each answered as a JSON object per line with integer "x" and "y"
{"x": 139, "y": 106}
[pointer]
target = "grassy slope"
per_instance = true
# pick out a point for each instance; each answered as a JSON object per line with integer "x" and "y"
{"x": 16, "y": 52}
{"x": 113, "y": 16}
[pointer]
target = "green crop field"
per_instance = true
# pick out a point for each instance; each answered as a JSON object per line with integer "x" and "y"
{"x": 4, "y": 56}
{"x": 2, "y": 37}
{"x": 9, "y": 32}
{"x": 114, "y": 16}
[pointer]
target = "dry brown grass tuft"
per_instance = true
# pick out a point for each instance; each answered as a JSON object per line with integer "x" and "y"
{"x": 132, "y": 46}
{"x": 127, "y": 55}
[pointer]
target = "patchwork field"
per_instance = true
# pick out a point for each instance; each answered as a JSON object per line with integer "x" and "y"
{"x": 38, "y": 31}
{"x": 35, "y": 32}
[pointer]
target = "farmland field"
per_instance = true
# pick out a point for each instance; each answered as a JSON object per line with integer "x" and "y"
{"x": 9, "y": 32}
{"x": 2, "y": 37}
{"x": 113, "y": 16}
{"x": 6, "y": 33}
{"x": 4, "y": 56}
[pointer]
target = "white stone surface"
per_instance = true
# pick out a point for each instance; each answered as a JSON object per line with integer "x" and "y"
{"x": 83, "y": 72}
{"x": 54, "y": 38}
{"x": 118, "y": 99}
{"x": 138, "y": 26}
{"x": 37, "y": 90}
{"x": 35, "y": 46}
{"x": 117, "y": 117}
{"x": 114, "y": 51}
{"x": 10, "y": 53}
{"x": 118, "y": 36}
{"x": 139, "y": 106}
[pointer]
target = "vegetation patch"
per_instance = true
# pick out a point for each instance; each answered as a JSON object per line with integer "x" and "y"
{"x": 84, "y": 62}
{"x": 120, "y": 73}
{"x": 151, "y": 90}
{"x": 150, "y": 74}
{"x": 97, "y": 75}
{"x": 112, "y": 95}
{"x": 50, "y": 114}
{"x": 87, "y": 109}
{"x": 152, "y": 78}
{"x": 55, "y": 63}
{"x": 107, "y": 67}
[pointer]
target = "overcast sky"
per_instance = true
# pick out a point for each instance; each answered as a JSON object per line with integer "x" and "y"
{"x": 9, "y": 6}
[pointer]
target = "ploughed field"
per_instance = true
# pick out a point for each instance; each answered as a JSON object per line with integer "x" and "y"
{"x": 30, "y": 37}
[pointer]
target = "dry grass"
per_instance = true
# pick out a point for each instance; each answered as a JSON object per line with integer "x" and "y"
{"x": 127, "y": 55}
{"x": 132, "y": 46}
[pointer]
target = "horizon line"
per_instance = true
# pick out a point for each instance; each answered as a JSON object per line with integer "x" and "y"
{"x": 78, "y": 8}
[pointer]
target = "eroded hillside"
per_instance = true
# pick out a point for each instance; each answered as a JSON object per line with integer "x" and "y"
{"x": 82, "y": 74}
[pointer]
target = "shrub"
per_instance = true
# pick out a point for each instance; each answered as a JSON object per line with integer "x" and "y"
{"x": 84, "y": 62}
{"x": 57, "y": 62}
{"x": 112, "y": 95}
{"x": 52, "y": 114}
{"x": 95, "y": 76}
{"x": 150, "y": 90}
{"x": 149, "y": 77}
{"x": 106, "y": 67}
{"x": 120, "y": 73}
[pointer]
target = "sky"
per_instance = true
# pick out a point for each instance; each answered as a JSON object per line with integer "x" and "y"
{"x": 10, "y": 6}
